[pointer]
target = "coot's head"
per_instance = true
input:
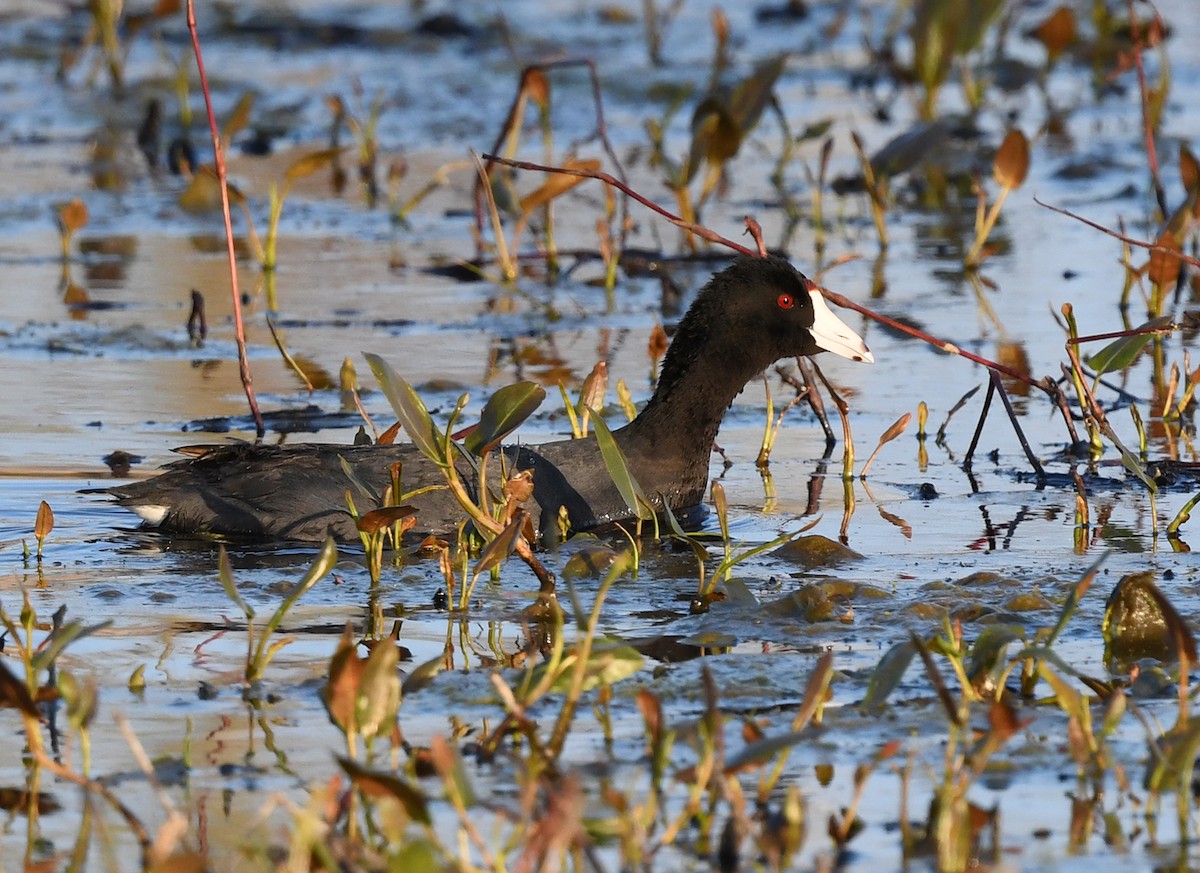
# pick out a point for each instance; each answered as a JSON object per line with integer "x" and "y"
{"x": 759, "y": 310}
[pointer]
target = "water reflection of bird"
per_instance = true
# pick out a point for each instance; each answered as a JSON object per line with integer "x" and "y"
{"x": 749, "y": 315}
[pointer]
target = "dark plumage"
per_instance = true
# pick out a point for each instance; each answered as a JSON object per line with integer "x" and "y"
{"x": 748, "y": 316}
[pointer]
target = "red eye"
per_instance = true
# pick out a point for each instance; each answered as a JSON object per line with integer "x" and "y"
{"x": 786, "y": 301}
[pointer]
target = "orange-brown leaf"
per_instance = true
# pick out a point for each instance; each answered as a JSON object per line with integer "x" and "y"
{"x": 310, "y": 163}
{"x": 73, "y": 215}
{"x": 45, "y": 521}
{"x": 537, "y": 86}
{"x": 658, "y": 343}
{"x": 1012, "y": 160}
{"x": 557, "y": 185}
{"x": 1189, "y": 169}
{"x": 1057, "y": 31}
{"x": 1163, "y": 268}
{"x": 377, "y": 519}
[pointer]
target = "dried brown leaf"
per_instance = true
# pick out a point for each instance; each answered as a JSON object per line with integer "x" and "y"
{"x": 557, "y": 185}
{"x": 1163, "y": 269}
{"x": 658, "y": 343}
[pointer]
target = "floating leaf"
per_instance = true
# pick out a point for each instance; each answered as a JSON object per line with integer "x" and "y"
{"x": 815, "y": 551}
{"x": 1120, "y": 353}
{"x": 504, "y": 412}
{"x": 1012, "y": 160}
{"x": 410, "y": 411}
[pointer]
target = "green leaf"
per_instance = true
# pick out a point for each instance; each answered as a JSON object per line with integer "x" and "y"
{"x": 631, "y": 492}
{"x": 1120, "y": 353}
{"x": 326, "y": 559}
{"x": 422, "y": 675}
{"x": 504, "y": 412}
{"x": 60, "y": 638}
{"x": 410, "y": 411}
{"x": 753, "y": 94}
{"x": 379, "y": 695}
{"x": 989, "y": 647}
{"x": 607, "y": 665}
{"x": 888, "y": 673}
{"x": 225, "y": 574}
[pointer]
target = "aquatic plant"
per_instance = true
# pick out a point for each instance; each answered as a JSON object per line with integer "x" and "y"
{"x": 260, "y": 647}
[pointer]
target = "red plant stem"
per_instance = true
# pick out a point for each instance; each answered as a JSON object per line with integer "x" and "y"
{"x": 601, "y": 133}
{"x": 219, "y": 160}
{"x": 714, "y": 237}
{"x": 947, "y": 347}
{"x": 755, "y": 230}
{"x": 1120, "y": 334}
{"x": 700, "y": 231}
{"x": 1142, "y": 244}
{"x": 1135, "y": 33}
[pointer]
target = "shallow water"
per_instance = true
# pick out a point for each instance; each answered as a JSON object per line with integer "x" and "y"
{"x": 120, "y": 374}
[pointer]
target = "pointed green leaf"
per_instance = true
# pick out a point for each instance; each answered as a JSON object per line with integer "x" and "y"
{"x": 753, "y": 94}
{"x": 504, "y": 412}
{"x": 326, "y": 559}
{"x": 225, "y": 574}
{"x": 888, "y": 673}
{"x": 631, "y": 492}
{"x": 1120, "y": 353}
{"x": 410, "y": 411}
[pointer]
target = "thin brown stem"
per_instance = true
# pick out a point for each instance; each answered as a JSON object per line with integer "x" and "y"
{"x": 1128, "y": 240}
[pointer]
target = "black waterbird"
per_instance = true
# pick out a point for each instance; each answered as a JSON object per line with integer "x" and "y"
{"x": 748, "y": 316}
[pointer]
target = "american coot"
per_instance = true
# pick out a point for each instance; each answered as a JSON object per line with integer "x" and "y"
{"x": 748, "y": 316}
